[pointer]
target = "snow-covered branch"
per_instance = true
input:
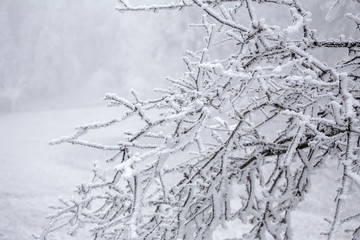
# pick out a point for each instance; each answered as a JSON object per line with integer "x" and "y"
{"x": 250, "y": 127}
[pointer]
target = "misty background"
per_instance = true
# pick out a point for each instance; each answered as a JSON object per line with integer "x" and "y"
{"x": 58, "y": 59}
{"x": 69, "y": 53}
{"x": 66, "y": 53}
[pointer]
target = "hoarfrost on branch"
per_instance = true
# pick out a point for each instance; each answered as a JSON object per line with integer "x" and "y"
{"x": 249, "y": 127}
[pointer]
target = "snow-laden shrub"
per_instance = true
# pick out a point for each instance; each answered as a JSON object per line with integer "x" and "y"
{"x": 254, "y": 115}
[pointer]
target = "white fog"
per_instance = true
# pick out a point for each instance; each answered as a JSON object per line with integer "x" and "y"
{"x": 58, "y": 60}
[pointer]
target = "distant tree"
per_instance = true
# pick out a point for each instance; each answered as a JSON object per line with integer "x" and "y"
{"x": 12, "y": 86}
{"x": 253, "y": 117}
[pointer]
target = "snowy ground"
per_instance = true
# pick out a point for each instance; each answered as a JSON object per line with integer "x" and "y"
{"x": 34, "y": 174}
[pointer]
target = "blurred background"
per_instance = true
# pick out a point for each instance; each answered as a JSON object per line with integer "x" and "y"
{"x": 57, "y": 60}
{"x": 63, "y": 53}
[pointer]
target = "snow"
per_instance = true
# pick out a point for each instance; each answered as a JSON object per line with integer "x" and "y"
{"x": 34, "y": 174}
{"x": 278, "y": 69}
{"x": 297, "y": 24}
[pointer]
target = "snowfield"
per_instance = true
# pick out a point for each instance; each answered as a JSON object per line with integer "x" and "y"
{"x": 34, "y": 174}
